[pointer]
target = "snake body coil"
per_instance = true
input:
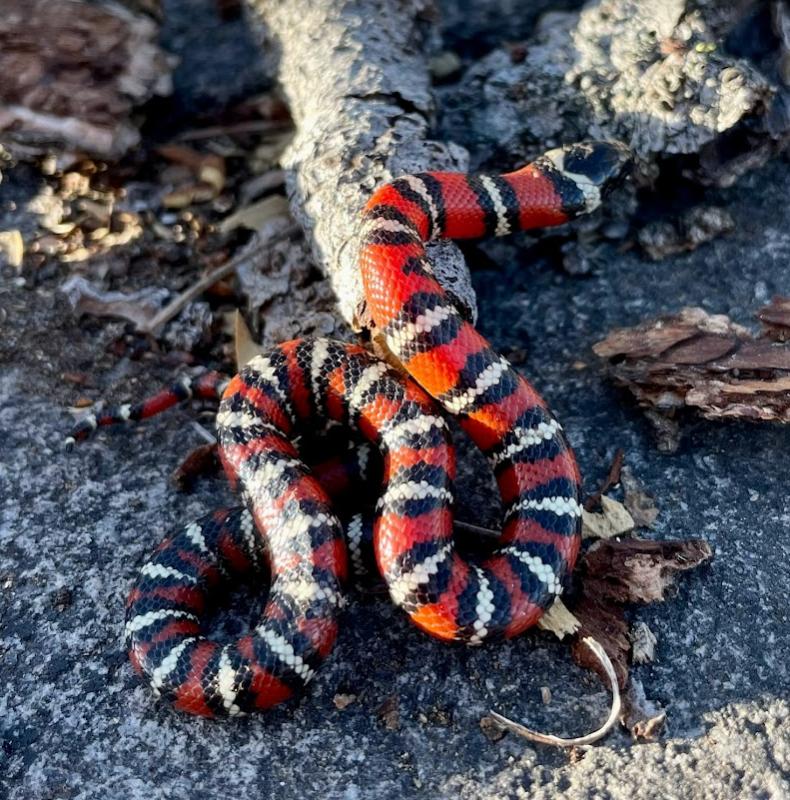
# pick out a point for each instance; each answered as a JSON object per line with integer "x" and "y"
{"x": 290, "y": 527}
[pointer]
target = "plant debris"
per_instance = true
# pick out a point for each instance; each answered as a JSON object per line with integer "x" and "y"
{"x": 343, "y": 701}
{"x": 640, "y": 505}
{"x": 137, "y": 307}
{"x": 73, "y": 72}
{"x": 686, "y": 233}
{"x": 643, "y": 643}
{"x": 641, "y": 716}
{"x": 491, "y": 729}
{"x": 612, "y": 520}
{"x": 593, "y": 502}
{"x": 616, "y": 573}
{"x": 389, "y": 713}
{"x": 704, "y": 362}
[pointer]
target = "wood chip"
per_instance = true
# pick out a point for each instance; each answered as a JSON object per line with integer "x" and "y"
{"x": 695, "y": 360}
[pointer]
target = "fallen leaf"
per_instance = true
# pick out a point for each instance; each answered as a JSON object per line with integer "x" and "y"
{"x": 638, "y": 570}
{"x": 255, "y": 215}
{"x": 613, "y": 520}
{"x": 246, "y": 347}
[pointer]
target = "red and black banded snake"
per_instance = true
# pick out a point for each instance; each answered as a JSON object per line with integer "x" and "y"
{"x": 289, "y": 524}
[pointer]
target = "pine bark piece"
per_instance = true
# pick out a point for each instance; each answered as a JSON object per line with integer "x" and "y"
{"x": 705, "y": 362}
{"x": 356, "y": 76}
{"x": 73, "y": 72}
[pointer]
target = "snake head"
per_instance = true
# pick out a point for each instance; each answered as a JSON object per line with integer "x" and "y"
{"x": 585, "y": 172}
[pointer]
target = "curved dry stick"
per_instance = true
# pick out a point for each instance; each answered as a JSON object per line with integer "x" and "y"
{"x": 559, "y": 741}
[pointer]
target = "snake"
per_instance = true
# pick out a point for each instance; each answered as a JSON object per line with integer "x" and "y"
{"x": 288, "y": 531}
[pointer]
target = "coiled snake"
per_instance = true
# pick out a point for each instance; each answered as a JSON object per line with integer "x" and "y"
{"x": 289, "y": 525}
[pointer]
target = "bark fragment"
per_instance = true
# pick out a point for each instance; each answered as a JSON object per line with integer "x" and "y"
{"x": 695, "y": 360}
{"x": 615, "y": 573}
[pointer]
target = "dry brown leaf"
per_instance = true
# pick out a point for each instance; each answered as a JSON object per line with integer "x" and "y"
{"x": 613, "y": 520}
{"x": 246, "y": 347}
{"x": 255, "y": 215}
{"x": 638, "y": 570}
